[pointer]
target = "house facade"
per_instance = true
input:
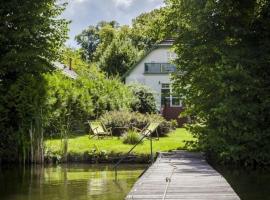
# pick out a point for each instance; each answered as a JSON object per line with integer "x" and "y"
{"x": 154, "y": 70}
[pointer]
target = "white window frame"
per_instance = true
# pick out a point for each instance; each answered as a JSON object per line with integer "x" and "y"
{"x": 171, "y": 96}
{"x": 171, "y": 103}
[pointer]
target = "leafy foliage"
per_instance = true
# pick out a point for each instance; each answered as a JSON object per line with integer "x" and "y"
{"x": 145, "y": 101}
{"x": 21, "y": 117}
{"x": 149, "y": 28}
{"x": 73, "y": 102}
{"x": 127, "y": 120}
{"x": 77, "y": 64}
{"x": 107, "y": 94}
{"x": 118, "y": 57}
{"x": 90, "y": 38}
{"x": 131, "y": 137}
{"x": 30, "y": 38}
{"x": 116, "y": 48}
{"x": 223, "y": 56}
{"x": 68, "y": 104}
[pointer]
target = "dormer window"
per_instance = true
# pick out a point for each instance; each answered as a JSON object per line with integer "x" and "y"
{"x": 159, "y": 68}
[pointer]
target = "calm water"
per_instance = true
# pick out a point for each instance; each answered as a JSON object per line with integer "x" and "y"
{"x": 87, "y": 182}
{"x": 248, "y": 184}
{"x": 73, "y": 182}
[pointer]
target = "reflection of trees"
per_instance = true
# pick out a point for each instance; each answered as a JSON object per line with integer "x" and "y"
{"x": 68, "y": 183}
{"x": 96, "y": 186}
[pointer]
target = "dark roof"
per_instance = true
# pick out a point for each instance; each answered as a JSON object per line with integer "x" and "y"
{"x": 167, "y": 42}
{"x": 163, "y": 43}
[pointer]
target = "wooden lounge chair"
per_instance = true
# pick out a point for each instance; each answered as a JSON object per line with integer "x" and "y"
{"x": 99, "y": 130}
{"x": 149, "y": 129}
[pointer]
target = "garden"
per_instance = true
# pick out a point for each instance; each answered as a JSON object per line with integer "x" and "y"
{"x": 222, "y": 76}
{"x": 120, "y": 131}
{"x": 83, "y": 149}
{"x": 54, "y": 117}
{"x": 222, "y": 73}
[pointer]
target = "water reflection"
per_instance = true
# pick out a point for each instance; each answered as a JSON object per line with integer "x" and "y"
{"x": 80, "y": 182}
{"x": 248, "y": 184}
{"x": 88, "y": 182}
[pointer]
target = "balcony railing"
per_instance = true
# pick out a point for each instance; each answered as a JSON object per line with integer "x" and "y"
{"x": 159, "y": 68}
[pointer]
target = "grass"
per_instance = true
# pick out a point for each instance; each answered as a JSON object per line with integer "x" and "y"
{"x": 81, "y": 144}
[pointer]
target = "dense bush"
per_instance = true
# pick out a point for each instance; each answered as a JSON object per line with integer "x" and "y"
{"x": 21, "y": 113}
{"x": 128, "y": 120}
{"x": 29, "y": 42}
{"x": 107, "y": 94}
{"x": 68, "y": 104}
{"x": 145, "y": 101}
{"x": 118, "y": 57}
{"x": 131, "y": 137}
{"x": 73, "y": 102}
{"x": 55, "y": 105}
{"x": 223, "y": 54}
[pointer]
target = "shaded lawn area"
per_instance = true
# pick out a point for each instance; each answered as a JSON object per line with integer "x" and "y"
{"x": 175, "y": 140}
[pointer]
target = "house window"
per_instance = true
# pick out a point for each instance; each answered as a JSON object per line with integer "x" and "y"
{"x": 165, "y": 94}
{"x": 168, "y": 98}
{"x": 176, "y": 101}
{"x": 159, "y": 68}
{"x": 167, "y": 68}
{"x": 152, "y": 68}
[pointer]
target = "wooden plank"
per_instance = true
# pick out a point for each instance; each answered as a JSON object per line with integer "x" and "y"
{"x": 184, "y": 176}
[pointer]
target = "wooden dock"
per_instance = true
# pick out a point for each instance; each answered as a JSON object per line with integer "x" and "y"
{"x": 181, "y": 175}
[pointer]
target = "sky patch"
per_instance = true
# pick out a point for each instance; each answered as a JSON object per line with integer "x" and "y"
{"x": 83, "y": 13}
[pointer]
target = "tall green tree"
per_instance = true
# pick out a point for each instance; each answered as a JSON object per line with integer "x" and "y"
{"x": 149, "y": 28}
{"x": 223, "y": 62}
{"x": 113, "y": 51}
{"x": 89, "y": 39}
{"x": 106, "y": 34}
{"x": 118, "y": 57}
{"x": 115, "y": 48}
{"x": 31, "y": 34}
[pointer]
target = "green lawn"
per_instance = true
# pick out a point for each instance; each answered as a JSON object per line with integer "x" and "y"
{"x": 81, "y": 144}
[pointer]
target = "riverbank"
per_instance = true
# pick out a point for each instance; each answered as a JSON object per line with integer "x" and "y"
{"x": 108, "y": 150}
{"x": 68, "y": 181}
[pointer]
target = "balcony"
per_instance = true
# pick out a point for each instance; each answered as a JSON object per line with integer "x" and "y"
{"x": 159, "y": 68}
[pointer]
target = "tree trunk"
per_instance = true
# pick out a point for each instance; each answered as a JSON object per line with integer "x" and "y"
{"x": 31, "y": 143}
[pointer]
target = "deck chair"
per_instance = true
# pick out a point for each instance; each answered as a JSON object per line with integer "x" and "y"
{"x": 149, "y": 129}
{"x": 99, "y": 130}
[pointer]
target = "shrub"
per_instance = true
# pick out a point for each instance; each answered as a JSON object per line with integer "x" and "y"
{"x": 127, "y": 120}
{"x": 115, "y": 120}
{"x": 87, "y": 97}
{"x": 145, "y": 101}
{"x": 106, "y": 94}
{"x": 163, "y": 128}
{"x": 174, "y": 123}
{"x": 131, "y": 137}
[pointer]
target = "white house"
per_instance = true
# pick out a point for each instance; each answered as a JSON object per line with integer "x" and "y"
{"x": 154, "y": 70}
